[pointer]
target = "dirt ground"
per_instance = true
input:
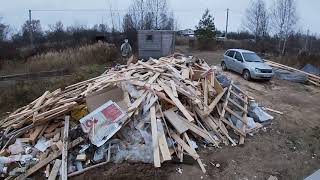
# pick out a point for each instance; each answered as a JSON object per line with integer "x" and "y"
{"x": 288, "y": 148}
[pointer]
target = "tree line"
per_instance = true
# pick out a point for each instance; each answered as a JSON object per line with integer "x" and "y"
{"x": 141, "y": 15}
{"x": 281, "y": 20}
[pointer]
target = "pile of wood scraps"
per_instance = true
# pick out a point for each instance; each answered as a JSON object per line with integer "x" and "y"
{"x": 175, "y": 101}
{"x": 312, "y": 78}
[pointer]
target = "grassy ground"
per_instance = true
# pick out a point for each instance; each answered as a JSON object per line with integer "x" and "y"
{"x": 18, "y": 93}
{"x": 84, "y": 63}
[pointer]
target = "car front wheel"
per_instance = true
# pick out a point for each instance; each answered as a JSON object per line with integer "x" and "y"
{"x": 246, "y": 75}
{"x": 224, "y": 66}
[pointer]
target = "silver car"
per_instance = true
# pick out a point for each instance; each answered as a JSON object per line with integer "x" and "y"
{"x": 247, "y": 63}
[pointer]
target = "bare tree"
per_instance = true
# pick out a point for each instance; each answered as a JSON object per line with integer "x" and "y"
{"x": 256, "y": 19}
{"x": 127, "y": 23}
{"x": 151, "y": 14}
{"x": 137, "y": 12}
{"x": 4, "y": 30}
{"x": 284, "y": 20}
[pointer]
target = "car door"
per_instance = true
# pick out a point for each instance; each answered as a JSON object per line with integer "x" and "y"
{"x": 229, "y": 59}
{"x": 238, "y": 62}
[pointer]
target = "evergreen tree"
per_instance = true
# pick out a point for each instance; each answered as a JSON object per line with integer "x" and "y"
{"x": 206, "y": 31}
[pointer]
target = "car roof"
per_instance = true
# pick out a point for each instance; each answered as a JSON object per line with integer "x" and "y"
{"x": 241, "y": 50}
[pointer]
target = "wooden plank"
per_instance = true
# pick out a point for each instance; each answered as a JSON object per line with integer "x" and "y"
{"x": 238, "y": 88}
{"x": 243, "y": 127}
{"x": 55, "y": 170}
{"x": 186, "y": 73}
{"x": 208, "y": 120}
{"x": 222, "y": 118}
{"x": 217, "y": 86}
{"x": 41, "y": 99}
{"x": 237, "y": 105}
{"x": 175, "y": 72}
{"x": 272, "y": 110}
{"x": 198, "y": 160}
{"x": 235, "y": 115}
{"x": 197, "y": 130}
{"x": 238, "y": 96}
{"x": 291, "y": 68}
{"x": 177, "y": 123}
{"x": 185, "y": 146}
{"x": 150, "y": 67}
{"x": 232, "y": 126}
{"x": 64, "y": 166}
{"x": 50, "y": 158}
{"x": 52, "y": 111}
{"x": 137, "y": 102}
{"x": 36, "y": 133}
{"x": 47, "y": 171}
{"x": 155, "y": 143}
{"x": 164, "y": 149}
{"x": 215, "y": 102}
{"x": 176, "y": 101}
{"x": 174, "y": 89}
{"x": 205, "y": 91}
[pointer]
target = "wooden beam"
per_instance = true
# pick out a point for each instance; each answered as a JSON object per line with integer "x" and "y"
{"x": 197, "y": 130}
{"x": 174, "y": 89}
{"x": 176, "y": 101}
{"x": 55, "y": 170}
{"x": 205, "y": 91}
{"x": 164, "y": 149}
{"x": 215, "y": 102}
{"x": 155, "y": 142}
{"x": 185, "y": 146}
{"x": 244, "y": 93}
{"x": 238, "y": 96}
{"x": 243, "y": 127}
{"x": 177, "y": 123}
{"x": 235, "y": 115}
{"x": 237, "y": 105}
{"x": 64, "y": 166}
{"x": 198, "y": 160}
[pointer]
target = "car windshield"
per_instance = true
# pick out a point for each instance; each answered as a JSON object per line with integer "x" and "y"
{"x": 251, "y": 57}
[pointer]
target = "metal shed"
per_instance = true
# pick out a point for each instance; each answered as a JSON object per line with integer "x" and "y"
{"x": 155, "y": 43}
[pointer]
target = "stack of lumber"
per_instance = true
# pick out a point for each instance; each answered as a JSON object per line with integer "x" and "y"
{"x": 312, "y": 78}
{"x": 182, "y": 98}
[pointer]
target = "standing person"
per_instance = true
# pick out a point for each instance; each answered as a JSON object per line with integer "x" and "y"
{"x": 126, "y": 50}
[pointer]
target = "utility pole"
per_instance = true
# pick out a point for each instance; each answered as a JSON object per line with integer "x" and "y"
{"x": 30, "y": 29}
{"x": 227, "y": 21}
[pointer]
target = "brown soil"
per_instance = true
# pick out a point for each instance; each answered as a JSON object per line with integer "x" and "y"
{"x": 288, "y": 148}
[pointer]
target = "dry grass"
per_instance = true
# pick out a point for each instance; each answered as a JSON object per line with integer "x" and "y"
{"x": 72, "y": 58}
{"x": 84, "y": 62}
{"x": 15, "y": 94}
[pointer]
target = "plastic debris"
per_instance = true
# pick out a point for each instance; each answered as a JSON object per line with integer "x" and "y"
{"x": 42, "y": 144}
{"x": 257, "y": 113}
{"x": 16, "y": 148}
{"x": 290, "y": 76}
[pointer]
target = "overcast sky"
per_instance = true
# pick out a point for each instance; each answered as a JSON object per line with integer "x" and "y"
{"x": 187, "y": 12}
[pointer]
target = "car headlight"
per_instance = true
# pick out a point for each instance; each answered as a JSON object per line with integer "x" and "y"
{"x": 258, "y": 70}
